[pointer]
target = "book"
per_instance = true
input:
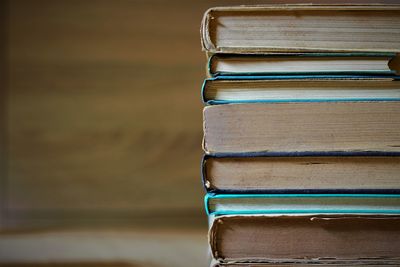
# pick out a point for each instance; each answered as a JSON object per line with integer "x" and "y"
{"x": 305, "y": 239}
{"x": 302, "y": 173}
{"x": 302, "y": 63}
{"x": 302, "y": 135}
{"x": 226, "y": 204}
{"x": 226, "y": 89}
{"x": 309, "y": 126}
{"x": 371, "y": 263}
{"x": 301, "y": 28}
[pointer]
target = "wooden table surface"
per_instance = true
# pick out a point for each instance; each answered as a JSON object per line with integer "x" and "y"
{"x": 106, "y": 247}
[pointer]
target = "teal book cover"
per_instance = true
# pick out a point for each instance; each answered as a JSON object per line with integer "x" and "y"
{"x": 291, "y": 64}
{"x": 299, "y": 88}
{"x": 238, "y": 204}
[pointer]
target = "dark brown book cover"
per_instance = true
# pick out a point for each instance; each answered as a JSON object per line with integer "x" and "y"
{"x": 305, "y": 239}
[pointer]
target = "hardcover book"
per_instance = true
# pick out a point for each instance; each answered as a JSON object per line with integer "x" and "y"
{"x": 253, "y": 89}
{"x": 326, "y": 172}
{"x": 309, "y": 126}
{"x": 302, "y": 63}
{"x": 306, "y": 239}
{"x": 225, "y": 204}
{"x": 301, "y": 28}
{"x": 371, "y": 263}
{"x": 302, "y": 135}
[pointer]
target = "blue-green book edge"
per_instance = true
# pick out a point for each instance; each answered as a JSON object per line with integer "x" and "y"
{"x": 352, "y": 54}
{"x": 298, "y": 77}
{"x": 209, "y": 196}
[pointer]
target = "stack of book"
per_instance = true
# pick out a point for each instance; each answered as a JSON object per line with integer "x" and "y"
{"x": 302, "y": 135}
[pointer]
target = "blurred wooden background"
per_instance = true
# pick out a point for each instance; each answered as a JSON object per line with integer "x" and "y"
{"x": 101, "y": 113}
{"x": 101, "y": 118}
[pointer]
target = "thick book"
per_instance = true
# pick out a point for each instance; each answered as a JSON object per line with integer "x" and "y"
{"x": 302, "y": 173}
{"x": 298, "y": 126}
{"x": 302, "y": 63}
{"x": 226, "y": 204}
{"x": 299, "y": 28}
{"x": 252, "y": 89}
{"x": 306, "y": 239}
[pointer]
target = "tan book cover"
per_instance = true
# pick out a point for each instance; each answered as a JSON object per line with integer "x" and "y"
{"x": 301, "y": 173}
{"x": 298, "y": 126}
{"x": 302, "y": 27}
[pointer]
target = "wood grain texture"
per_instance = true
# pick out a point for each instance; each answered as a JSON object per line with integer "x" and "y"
{"x": 104, "y": 111}
{"x": 114, "y": 247}
{"x": 3, "y": 109}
